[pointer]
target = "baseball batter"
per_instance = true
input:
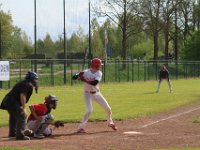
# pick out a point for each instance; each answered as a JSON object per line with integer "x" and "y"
{"x": 91, "y": 78}
{"x": 164, "y": 75}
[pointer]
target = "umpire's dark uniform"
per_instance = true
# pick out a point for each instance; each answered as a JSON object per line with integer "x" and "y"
{"x": 12, "y": 103}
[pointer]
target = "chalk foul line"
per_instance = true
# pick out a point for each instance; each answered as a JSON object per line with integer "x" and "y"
{"x": 170, "y": 117}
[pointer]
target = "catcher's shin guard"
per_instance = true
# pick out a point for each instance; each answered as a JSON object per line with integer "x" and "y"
{"x": 44, "y": 124}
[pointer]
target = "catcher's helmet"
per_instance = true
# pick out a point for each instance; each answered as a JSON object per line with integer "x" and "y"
{"x": 51, "y": 100}
{"x": 96, "y": 63}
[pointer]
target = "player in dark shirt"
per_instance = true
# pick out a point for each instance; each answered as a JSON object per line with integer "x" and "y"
{"x": 164, "y": 75}
{"x": 15, "y": 101}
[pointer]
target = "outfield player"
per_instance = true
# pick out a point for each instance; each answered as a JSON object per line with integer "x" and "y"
{"x": 15, "y": 103}
{"x": 91, "y": 78}
{"x": 40, "y": 117}
{"x": 164, "y": 75}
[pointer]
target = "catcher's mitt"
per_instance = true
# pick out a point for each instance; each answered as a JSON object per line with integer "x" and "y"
{"x": 58, "y": 124}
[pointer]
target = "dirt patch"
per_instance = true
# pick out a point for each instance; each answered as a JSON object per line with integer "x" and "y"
{"x": 173, "y": 129}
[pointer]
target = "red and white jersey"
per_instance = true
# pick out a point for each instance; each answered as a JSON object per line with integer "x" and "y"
{"x": 89, "y": 76}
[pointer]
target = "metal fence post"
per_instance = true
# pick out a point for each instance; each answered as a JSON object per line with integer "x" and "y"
{"x": 20, "y": 70}
{"x": 128, "y": 70}
{"x": 31, "y": 65}
{"x": 71, "y": 67}
{"x": 186, "y": 70}
{"x": 132, "y": 70}
{"x": 115, "y": 62}
{"x": 144, "y": 70}
{"x": 52, "y": 73}
{"x": 176, "y": 70}
{"x": 104, "y": 68}
{"x": 156, "y": 64}
{"x": 148, "y": 69}
{"x": 138, "y": 70}
{"x": 198, "y": 69}
{"x": 118, "y": 70}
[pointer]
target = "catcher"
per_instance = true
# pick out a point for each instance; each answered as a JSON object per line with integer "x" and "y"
{"x": 40, "y": 118}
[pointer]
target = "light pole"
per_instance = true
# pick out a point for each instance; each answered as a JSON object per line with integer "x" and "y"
{"x": 106, "y": 42}
{"x": 64, "y": 32}
{"x": 90, "y": 47}
{"x": 35, "y": 37}
{"x": 0, "y": 39}
{"x": 0, "y": 32}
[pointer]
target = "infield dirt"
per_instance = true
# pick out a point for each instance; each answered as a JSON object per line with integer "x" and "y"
{"x": 172, "y": 129}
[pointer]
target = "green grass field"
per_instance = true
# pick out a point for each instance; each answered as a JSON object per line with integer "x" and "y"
{"x": 127, "y": 100}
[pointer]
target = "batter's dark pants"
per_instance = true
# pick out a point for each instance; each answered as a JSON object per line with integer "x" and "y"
{"x": 16, "y": 119}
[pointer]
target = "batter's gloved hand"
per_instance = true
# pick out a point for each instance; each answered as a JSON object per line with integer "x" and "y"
{"x": 77, "y": 76}
{"x": 59, "y": 123}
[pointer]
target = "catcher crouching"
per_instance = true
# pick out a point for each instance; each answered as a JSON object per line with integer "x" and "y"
{"x": 40, "y": 118}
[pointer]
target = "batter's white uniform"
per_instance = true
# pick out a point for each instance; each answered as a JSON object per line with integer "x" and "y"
{"x": 92, "y": 92}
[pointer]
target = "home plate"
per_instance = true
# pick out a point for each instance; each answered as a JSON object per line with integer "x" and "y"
{"x": 133, "y": 133}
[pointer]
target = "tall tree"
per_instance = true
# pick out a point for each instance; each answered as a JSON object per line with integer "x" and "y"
{"x": 40, "y": 46}
{"x": 196, "y": 16}
{"x": 6, "y": 32}
{"x": 111, "y": 39}
{"x": 17, "y": 45}
{"x": 122, "y": 12}
{"x": 186, "y": 10}
{"x": 49, "y": 47}
{"x": 152, "y": 11}
{"x": 97, "y": 39}
{"x": 191, "y": 50}
{"x": 167, "y": 23}
{"x": 77, "y": 42}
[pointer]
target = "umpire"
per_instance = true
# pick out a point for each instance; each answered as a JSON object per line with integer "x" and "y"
{"x": 14, "y": 102}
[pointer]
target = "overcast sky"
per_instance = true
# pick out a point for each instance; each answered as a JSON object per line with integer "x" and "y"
{"x": 49, "y": 16}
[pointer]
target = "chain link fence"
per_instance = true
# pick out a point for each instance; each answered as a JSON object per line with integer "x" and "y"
{"x": 51, "y": 71}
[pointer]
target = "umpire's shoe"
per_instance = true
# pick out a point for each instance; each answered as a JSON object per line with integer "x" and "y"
{"x": 23, "y": 138}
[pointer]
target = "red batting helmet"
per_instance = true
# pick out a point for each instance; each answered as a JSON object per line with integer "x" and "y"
{"x": 96, "y": 63}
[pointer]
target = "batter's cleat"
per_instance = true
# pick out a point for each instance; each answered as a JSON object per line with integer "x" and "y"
{"x": 113, "y": 127}
{"x": 81, "y": 130}
{"x": 38, "y": 136}
{"x": 23, "y": 138}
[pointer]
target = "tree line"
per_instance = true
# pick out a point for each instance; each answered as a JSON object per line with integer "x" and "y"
{"x": 138, "y": 29}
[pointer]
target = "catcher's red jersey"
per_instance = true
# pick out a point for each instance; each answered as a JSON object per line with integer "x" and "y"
{"x": 40, "y": 110}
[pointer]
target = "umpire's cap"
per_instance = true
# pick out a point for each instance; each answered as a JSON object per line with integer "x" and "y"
{"x": 31, "y": 76}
